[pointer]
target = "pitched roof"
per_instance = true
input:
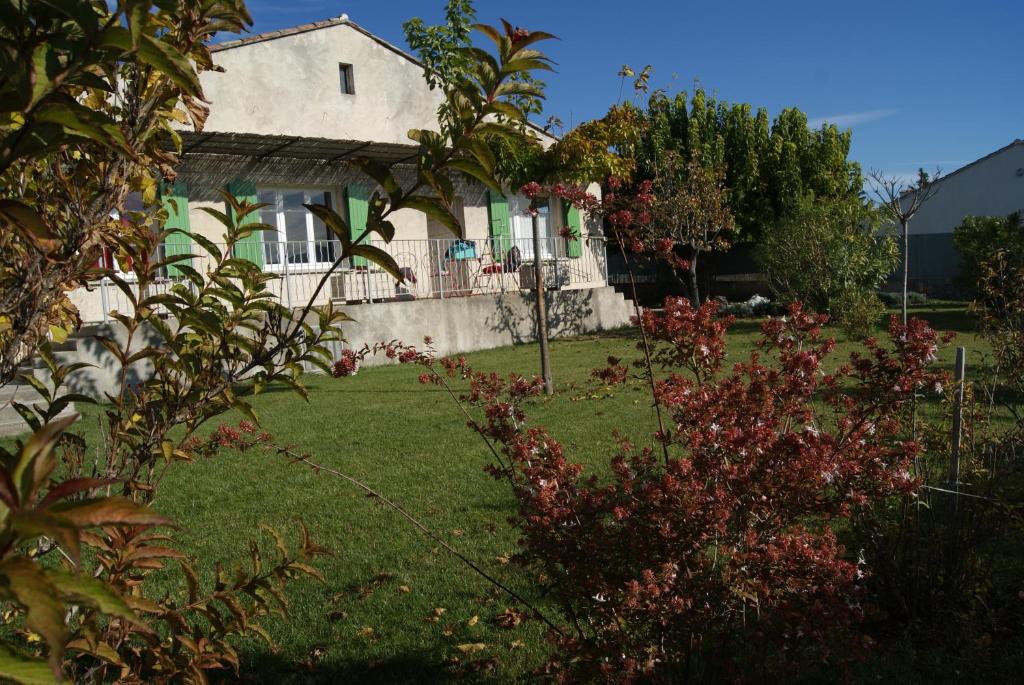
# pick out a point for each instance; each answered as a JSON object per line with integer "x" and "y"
{"x": 1018, "y": 141}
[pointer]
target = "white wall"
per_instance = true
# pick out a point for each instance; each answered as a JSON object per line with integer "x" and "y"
{"x": 990, "y": 187}
{"x": 291, "y": 86}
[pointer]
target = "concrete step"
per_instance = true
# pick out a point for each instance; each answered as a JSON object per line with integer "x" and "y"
{"x": 11, "y": 422}
{"x": 19, "y": 390}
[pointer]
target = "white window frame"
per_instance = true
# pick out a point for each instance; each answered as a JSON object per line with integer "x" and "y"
{"x": 311, "y": 195}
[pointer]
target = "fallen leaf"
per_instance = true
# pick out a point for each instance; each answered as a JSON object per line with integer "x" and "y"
{"x": 509, "y": 618}
{"x": 458, "y": 532}
{"x": 484, "y": 665}
{"x": 517, "y": 644}
{"x": 471, "y": 647}
{"x": 448, "y": 630}
{"x": 404, "y": 588}
{"x": 473, "y": 621}
{"x": 365, "y": 632}
{"x": 504, "y": 559}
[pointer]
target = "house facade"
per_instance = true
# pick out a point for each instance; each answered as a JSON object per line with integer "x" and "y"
{"x": 287, "y": 113}
{"x": 990, "y": 186}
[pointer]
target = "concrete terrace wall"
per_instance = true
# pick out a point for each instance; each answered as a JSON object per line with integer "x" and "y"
{"x": 484, "y": 322}
{"x": 457, "y": 325}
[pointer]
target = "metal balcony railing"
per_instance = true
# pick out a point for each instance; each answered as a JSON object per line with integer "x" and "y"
{"x": 435, "y": 268}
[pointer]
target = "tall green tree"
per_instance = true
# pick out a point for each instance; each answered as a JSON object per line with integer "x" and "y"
{"x": 768, "y": 166}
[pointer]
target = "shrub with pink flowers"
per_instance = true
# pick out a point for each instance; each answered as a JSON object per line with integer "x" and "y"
{"x": 713, "y": 553}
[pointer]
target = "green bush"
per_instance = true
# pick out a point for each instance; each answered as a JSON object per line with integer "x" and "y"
{"x": 858, "y": 312}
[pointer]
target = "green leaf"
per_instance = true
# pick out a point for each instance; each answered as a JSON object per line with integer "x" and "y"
{"x": 24, "y": 669}
{"x": 473, "y": 168}
{"x": 28, "y": 586}
{"x": 81, "y": 121}
{"x": 382, "y": 175}
{"x": 338, "y": 226}
{"x": 28, "y": 221}
{"x": 137, "y": 14}
{"x": 36, "y": 460}
{"x": 173, "y": 64}
{"x": 436, "y": 210}
{"x": 85, "y": 589}
{"x": 378, "y": 257}
{"x": 29, "y": 525}
{"x": 525, "y": 65}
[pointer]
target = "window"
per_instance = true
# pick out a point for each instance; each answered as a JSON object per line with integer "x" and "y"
{"x": 522, "y": 227}
{"x": 348, "y": 85}
{"x": 301, "y": 238}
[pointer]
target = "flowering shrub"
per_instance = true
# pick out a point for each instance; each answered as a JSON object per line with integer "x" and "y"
{"x": 722, "y": 555}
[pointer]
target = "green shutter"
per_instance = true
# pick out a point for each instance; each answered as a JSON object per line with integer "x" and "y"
{"x": 175, "y": 202}
{"x": 501, "y": 225}
{"x": 250, "y": 247}
{"x": 358, "y": 202}
{"x": 571, "y": 215}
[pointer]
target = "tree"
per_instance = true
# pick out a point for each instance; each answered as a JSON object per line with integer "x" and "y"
{"x": 976, "y": 239}
{"x": 70, "y": 153}
{"x": 829, "y": 255}
{"x": 769, "y": 165}
{"x": 900, "y": 202}
{"x": 691, "y": 210}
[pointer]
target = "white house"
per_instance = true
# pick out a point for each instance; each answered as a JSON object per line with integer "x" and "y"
{"x": 289, "y": 109}
{"x": 990, "y": 186}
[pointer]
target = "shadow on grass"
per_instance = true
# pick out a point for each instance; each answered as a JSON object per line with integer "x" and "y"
{"x": 265, "y": 668}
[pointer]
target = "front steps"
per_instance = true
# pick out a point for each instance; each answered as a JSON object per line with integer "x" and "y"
{"x": 20, "y": 391}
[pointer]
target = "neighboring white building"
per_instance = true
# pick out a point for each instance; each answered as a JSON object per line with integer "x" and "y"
{"x": 287, "y": 112}
{"x": 990, "y": 186}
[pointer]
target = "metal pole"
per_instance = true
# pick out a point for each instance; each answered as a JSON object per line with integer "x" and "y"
{"x": 542, "y": 314}
{"x": 287, "y": 280}
{"x": 958, "y": 412}
{"x": 439, "y": 264}
{"x": 104, "y": 299}
{"x": 604, "y": 258}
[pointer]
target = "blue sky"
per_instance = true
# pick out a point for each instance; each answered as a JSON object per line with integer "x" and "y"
{"x": 936, "y": 83}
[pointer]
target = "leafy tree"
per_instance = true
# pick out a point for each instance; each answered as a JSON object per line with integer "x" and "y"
{"x": 691, "y": 211}
{"x": 900, "y": 202}
{"x": 977, "y": 237}
{"x": 830, "y": 256}
{"x": 768, "y": 166}
{"x": 70, "y": 153}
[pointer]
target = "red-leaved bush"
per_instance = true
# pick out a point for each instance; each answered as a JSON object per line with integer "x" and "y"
{"x": 721, "y": 556}
{"x": 713, "y": 555}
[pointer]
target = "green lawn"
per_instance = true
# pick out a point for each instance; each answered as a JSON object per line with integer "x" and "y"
{"x": 370, "y": 621}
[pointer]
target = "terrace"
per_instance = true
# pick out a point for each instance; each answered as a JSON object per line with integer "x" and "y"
{"x": 431, "y": 269}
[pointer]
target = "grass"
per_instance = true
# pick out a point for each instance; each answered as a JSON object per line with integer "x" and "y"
{"x": 372, "y": 621}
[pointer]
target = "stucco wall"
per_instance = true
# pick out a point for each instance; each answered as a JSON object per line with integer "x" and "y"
{"x": 207, "y": 175}
{"x": 291, "y": 86}
{"x": 461, "y": 325}
{"x": 990, "y": 187}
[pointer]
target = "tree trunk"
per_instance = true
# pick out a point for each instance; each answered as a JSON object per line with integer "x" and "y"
{"x": 906, "y": 265}
{"x": 692, "y": 275}
{"x": 542, "y": 315}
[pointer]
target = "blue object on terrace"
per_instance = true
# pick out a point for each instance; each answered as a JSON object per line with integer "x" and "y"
{"x": 461, "y": 249}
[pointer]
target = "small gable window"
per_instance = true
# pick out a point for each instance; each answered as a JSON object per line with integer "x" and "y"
{"x": 348, "y": 86}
